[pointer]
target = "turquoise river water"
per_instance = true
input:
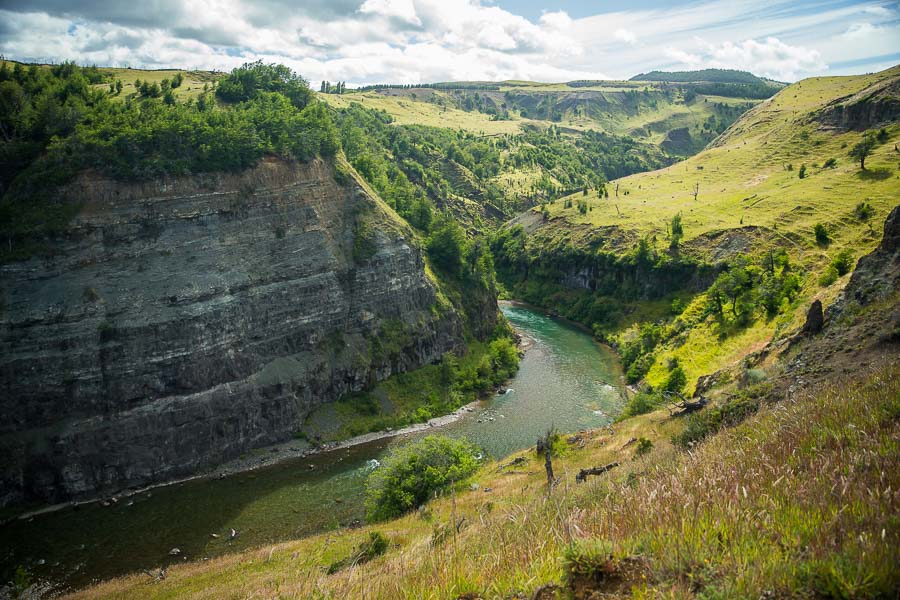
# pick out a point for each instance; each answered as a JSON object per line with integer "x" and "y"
{"x": 565, "y": 380}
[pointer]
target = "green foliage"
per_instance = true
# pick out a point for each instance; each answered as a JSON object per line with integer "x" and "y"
{"x": 829, "y": 276}
{"x": 588, "y": 564}
{"x": 738, "y": 292}
{"x": 553, "y": 440}
{"x": 447, "y": 245}
{"x": 677, "y": 231}
{"x": 862, "y": 149}
{"x": 22, "y": 580}
{"x": 676, "y": 380}
{"x": 843, "y": 262}
{"x": 376, "y": 545}
{"x": 641, "y": 403}
{"x": 802, "y": 172}
{"x": 252, "y": 80}
{"x": 830, "y": 163}
{"x": 56, "y": 124}
{"x": 821, "y": 233}
{"x": 710, "y": 420}
{"x": 364, "y": 242}
{"x": 863, "y": 211}
{"x": 414, "y": 472}
{"x": 644, "y": 446}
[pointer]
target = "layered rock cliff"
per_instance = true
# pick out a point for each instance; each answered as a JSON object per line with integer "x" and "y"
{"x": 183, "y": 322}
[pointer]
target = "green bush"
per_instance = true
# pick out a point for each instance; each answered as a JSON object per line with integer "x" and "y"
{"x": 829, "y": 276}
{"x": 863, "y": 211}
{"x": 644, "y": 446}
{"x": 843, "y": 262}
{"x": 411, "y": 475}
{"x": 822, "y": 237}
{"x": 588, "y": 564}
{"x": 676, "y": 381}
{"x": 709, "y": 421}
{"x": 375, "y": 546}
{"x": 641, "y": 403}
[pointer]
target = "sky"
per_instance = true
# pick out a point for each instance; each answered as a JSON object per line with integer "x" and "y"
{"x": 418, "y": 41}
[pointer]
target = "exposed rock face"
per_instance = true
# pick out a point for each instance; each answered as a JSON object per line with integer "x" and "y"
{"x": 874, "y": 106}
{"x": 181, "y": 323}
{"x": 877, "y": 274}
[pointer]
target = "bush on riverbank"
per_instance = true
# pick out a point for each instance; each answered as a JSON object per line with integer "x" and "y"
{"x": 412, "y": 474}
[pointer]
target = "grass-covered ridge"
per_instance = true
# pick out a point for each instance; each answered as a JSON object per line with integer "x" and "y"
{"x": 795, "y": 501}
{"x": 701, "y": 264}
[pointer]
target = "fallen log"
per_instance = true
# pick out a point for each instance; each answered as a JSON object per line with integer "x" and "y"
{"x": 684, "y": 406}
{"x": 583, "y": 474}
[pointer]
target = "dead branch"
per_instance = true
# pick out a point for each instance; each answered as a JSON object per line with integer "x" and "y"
{"x": 583, "y": 474}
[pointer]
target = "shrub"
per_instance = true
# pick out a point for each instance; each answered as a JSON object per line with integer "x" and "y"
{"x": 822, "y": 237}
{"x": 414, "y": 472}
{"x": 863, "y": 211}
{"x": 802, "y": 173}
{"x": 829, "y": 276}
{"x": 843, "y": 262}
{"x": 644, "y": 446}
{"x": 375, "y": 546}
{"x": 677, "y": 380}
{"x": 641, "y": 403}
{"x": 701, "y": 425}
{"x": 830, "y": 163}
{"x": 587, "y": 564}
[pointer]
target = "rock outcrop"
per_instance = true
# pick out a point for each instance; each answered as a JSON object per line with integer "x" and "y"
{"x": 874, "y": 106}
{"x": 181, "y": 323}
{"x": 877, "y": 274}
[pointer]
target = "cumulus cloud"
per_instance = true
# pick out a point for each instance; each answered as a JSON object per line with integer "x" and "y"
{"x": 624, "y": 35}
{"x": 770, "y": 58}
{"x": 410, "y": 41}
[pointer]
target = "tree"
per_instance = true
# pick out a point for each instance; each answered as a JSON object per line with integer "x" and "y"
{"x": 446, "y": 244}
{"x": 253, "y": 79}
{"x": 802, "y": 173}
{"x": 412, "y": 474}
{"x": 177, "y": 80}
{"x": 677, "y": 231}
{"x": 863, "y": 149}
{"x": 323, "y": 87}
{"x": 677, "y": 379}
{"x": 118, "y": 86}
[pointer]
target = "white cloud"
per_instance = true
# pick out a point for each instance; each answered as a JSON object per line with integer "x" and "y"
{"x": 624, "y": 35}
{"x": 399, "y": 9}
{"x": 770, "y": 58}
{"x": 409, "y": 41}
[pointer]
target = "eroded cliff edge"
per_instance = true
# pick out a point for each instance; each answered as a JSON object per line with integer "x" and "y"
{"x": 183, "y": 322}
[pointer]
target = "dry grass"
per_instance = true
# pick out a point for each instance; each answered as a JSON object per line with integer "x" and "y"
{"x": 800, "y": 500}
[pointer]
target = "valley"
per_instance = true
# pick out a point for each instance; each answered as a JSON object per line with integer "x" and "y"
{"x": 195, "y": 273}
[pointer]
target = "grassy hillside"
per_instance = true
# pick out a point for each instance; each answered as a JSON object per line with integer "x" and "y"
{"x": 762, "y": 190}
{"x": 647, "y": 111}
{"x": 754, "y": 512}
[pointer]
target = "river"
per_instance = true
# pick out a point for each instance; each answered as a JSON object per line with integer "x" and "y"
{"x": 564, "y": 380}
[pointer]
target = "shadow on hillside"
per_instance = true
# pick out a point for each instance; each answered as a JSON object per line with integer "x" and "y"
{"x": 874, "y": 174}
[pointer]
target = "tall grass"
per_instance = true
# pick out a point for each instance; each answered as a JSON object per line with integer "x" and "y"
{"x": 800, "y": 500}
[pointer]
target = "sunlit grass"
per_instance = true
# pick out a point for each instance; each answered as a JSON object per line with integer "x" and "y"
{"x": 798, "y": 500}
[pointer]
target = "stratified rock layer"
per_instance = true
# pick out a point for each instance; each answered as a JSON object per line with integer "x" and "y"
{"x": 183, "y": 322}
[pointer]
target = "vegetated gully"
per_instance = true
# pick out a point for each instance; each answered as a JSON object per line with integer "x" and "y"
{"x": 565, "y": 380}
